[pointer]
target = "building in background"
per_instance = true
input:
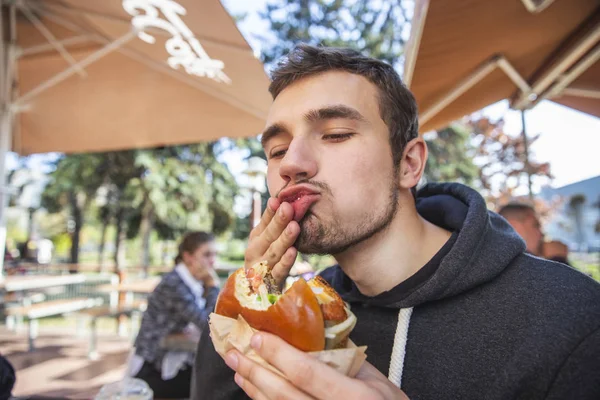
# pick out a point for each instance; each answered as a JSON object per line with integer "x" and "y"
{"x": 577, "y": 220}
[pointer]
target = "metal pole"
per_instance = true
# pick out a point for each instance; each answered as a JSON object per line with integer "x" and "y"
{"x": 52, "y": 39}
{"x": 2, "y": 56}
{"x": 526, "y": 150}
{"x": 5, "y": 139}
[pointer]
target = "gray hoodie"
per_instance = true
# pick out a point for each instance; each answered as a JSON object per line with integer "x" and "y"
{"x": 482, "y": 320}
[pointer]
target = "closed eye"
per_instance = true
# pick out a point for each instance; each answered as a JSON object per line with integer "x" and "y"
{"x": 337, "y": 137}
{"x": 277, "y": 154}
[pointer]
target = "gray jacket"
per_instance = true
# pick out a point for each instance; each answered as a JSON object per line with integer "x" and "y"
{"x": 171, "y": 307}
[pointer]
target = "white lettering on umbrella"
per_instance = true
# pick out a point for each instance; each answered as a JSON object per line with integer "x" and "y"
{"x": 184, "y": 48}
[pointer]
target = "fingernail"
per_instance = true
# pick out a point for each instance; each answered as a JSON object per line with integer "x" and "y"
{"x": 256, "y": 342}
{"x": 239, "y": 380}
{"x": 289, "y": 230}
{"x": 231, "y": 360}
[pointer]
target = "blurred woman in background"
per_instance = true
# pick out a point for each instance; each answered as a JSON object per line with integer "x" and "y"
{"x": 181, "y": 303}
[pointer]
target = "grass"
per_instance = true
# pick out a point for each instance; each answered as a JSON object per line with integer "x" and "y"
{"x": 587, "y": 263}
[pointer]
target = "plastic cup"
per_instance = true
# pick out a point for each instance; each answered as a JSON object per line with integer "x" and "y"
{"x": 126, "y": 389}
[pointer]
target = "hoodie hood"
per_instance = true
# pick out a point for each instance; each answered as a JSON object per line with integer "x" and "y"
{"x": 484, "y": 245}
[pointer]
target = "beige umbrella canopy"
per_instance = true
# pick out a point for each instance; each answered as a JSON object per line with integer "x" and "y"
{"x": 116, "y": 74}
{"x": 85, "y": 76}
{"x": 466, "y": 54}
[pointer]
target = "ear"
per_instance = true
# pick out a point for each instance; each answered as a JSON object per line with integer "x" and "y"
{"x": 413, "y": 162}
{"x": 185, "y": 256}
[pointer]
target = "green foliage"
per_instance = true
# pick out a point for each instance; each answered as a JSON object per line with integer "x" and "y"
{"x": 73, "y": 185}
{"x": 377, "y": 28}
{"x": 79, "y": 174}
{"x": 174, "y": 189}
{"x": 451, "y": 156}
{"x": 235, "y": 250}
{"x": 62, "y": 243}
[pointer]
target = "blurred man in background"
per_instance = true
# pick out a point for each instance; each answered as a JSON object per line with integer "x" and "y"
{"x": 525, "y": 221}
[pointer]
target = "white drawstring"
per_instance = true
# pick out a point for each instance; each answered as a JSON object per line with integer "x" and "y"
{"x": 399, "y": 349}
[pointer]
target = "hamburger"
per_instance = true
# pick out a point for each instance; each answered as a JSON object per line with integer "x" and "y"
{"x": 309, "y": 315}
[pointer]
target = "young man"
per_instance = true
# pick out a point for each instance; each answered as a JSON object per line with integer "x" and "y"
{"x": 448, "y": 302}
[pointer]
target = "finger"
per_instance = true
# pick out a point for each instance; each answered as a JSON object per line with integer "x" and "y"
{"x": 368, "y": 372}
{"x": 375, "y": 379}
{"x": 272, "y": 206}
{"x": 281, "y": 270}
{"x": 247, "y": 386}
{"x": 314, "y": 377}
{"x": 280, "y": 221}
{"x": 286, "y": 240}
{"x": 259, "y": 381}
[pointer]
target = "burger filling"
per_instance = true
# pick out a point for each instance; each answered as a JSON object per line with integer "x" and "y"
{"x": 258, "y": 288}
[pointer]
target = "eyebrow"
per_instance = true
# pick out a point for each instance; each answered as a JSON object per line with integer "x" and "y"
{"x": 271, "y": 132}
{"x": 338, "y": 111}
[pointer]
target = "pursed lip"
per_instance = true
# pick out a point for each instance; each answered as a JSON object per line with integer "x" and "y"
{"x": 296, "y": 192}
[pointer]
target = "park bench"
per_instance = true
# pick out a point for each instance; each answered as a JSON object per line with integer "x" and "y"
{"x": 34, "y": 312}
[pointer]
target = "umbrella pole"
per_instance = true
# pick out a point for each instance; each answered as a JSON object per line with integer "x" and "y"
{"x": 5, "y": 138}
{"x": 526, "y": 151}
{"x": 6, "y": 116}
{"x": 3, "y": 110}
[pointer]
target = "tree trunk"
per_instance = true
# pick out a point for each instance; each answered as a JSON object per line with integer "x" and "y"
{"x": 105, "y": 225}
{"x": 30, "y": 223}
{"x": 119, "y": 239}
{"x": 147, "y": 224}
{"x": 76, "y": 234}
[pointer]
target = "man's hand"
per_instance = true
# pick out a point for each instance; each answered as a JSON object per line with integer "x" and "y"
{"x": 307, "y": 378}
{"x": 273, "y": 238}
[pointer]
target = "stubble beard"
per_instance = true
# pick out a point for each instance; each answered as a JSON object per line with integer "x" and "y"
{"x": 318, "y": 237}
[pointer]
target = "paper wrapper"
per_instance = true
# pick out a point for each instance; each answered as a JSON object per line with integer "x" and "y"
{"x": 228, "y": 333}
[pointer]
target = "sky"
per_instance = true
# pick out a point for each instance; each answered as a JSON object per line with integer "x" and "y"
{"x": 569, "y": 139}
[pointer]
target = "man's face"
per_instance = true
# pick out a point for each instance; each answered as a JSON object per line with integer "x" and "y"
{"x": 530, "y": 230}
{"x": 329, "y": 155}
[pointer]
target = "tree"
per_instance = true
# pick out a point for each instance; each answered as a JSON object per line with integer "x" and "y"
{"x": 115, "y": 202}
{"x": 451, "y": 155}
{"x": 501, "y": 160}
{"x": 377, "y": 28}
{"x": 73, "y": 185}
{"x": 176, "y": 188}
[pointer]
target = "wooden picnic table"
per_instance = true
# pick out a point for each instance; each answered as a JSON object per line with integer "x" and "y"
{"x": 19, "y": 291}
{"x": 142, "y": 286}
{"x": 17, "y": 283}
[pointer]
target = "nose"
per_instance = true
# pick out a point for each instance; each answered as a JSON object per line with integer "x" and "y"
{"x": 299, "y": 162}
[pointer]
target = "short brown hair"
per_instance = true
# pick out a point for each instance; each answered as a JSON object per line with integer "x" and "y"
{"x": 397, "y": 105}
{"x": 517, "y": 210}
